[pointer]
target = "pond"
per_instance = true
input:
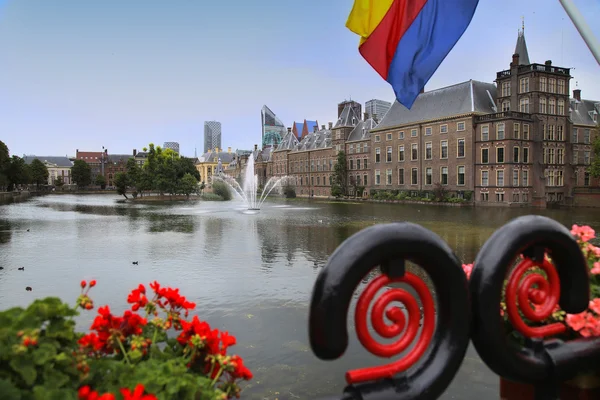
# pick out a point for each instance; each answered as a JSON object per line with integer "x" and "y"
{"x": 249, "y": 274}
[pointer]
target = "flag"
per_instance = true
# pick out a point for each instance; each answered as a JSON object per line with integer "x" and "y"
{"x": 405, "y": 41}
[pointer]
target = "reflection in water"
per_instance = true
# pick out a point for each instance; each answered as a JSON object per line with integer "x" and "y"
{"x": 218, "y": 257}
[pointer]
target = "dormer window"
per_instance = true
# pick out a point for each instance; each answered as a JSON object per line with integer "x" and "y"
{"x": 353, "y": 121}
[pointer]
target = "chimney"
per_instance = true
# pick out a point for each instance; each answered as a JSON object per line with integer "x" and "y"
{"x": 289, "y": 129}
{"x": 229, "y": 149}
{"x": 422, "y": 90}
{"x": 515, "y": 60}
{"x": 577, "y": 94}
{"x": 255, "y": 147}
{"x": 316, "y": 128}
{"x": 366, "y": 116}
{"x": 548, "y": 63}
{"x": 134, "y": 152}
{"x": 330, "y": 125}
{"x": 323, "y": 127}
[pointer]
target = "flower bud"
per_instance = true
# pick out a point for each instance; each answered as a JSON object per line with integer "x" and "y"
{"x": 83, "y": 284}
{"x": 92, "y": 283}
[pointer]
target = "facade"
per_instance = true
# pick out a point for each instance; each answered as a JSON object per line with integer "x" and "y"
{"x": 273, "y": 130}
{"x": 97, "y": 160}
{"x": 377, "y": 108}
{"x": 171, "y": 145}
{"x": 116, "y": 163}
{"x": 212, "y": 135}
{"x": 57, "y": 167}
{"x": 208, "y": 162}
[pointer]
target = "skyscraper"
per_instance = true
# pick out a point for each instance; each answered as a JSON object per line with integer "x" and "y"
{"x": 212, "y": 135}
{"x": 273, "y": 130}
{"x": 171, "y": 145}
{"x": 377, "y": 107}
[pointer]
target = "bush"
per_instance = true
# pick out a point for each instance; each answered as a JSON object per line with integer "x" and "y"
{"x": 211, "y": 197}
{"x": 222, "y": 190}
{"x": 289, "y": 192}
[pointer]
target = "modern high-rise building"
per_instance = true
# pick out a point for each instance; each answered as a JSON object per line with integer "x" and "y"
{"x": 171, "y": 145}
{"x": 377, "y": 108}
{"x": 212, "y": 135}
{"x": 273, "y": 130}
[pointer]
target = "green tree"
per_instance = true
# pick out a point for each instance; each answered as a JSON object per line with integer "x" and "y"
{"x": 222, "y": 190}
{"x": 188, "y": 185}
{"x": 340, "y": 176}
{"x": 59, "y": 182}
{"x": 38, "y": 173}
{"x": 101, "y": 181}
{"x": 81, "y": 172}
{"x": 4, "y": 165}
{"x": 594, "y": 168}
{"x": 122, "y": 181}
{"x": 17, "y": 172}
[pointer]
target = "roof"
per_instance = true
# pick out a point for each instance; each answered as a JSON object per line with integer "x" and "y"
{"x": 58, "y": 161}
{"x": 213, "y": 157}
{"x": 348, "y": 117}
{"x": 265, "y": 154}
{"x": 310, "y": 125}
{"x": 462, "y": 98}
{"x": 119, "y": 157}
{"x": 362, "y": 131}
{"x": 521, "y": 49}
{"x": 315, "y": 141}
{"x": 288, "y": 142}
{"x": 582, "y": 111}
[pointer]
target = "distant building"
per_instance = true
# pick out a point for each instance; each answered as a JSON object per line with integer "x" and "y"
{"x": 377, "y": 108}
{"x": 273, "y": 130}
{"x": 208, "y": 163}
{"x": 301, "y": 129}
{"x": 171, "y": 145}
{"x": 57, "y": 167}
{"x": 212, "y": 135}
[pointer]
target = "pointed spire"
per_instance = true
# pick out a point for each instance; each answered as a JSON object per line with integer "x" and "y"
{"x": 521, "y": 47}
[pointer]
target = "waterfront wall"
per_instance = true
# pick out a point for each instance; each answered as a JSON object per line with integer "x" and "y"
{"x": 11, "y": 197}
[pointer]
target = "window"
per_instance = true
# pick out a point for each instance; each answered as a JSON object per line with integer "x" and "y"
{"x": 485, "y": 133}
{"x": 351, "y": 149}
{"x": 551, "y": 132}
{"x": 515, "y": 154}
{"x": 525, "y": 155}
{"x": 525, "y": 131}
{"x": 515, "y": 177}
{"x": 365, "y": 163}
{"x": 444, "y": 175}
{"x": 574, "y": 137}
{"x": 516, "y": 131}
{"x": 460, "y": 148}
{"x": 358, "y": 163}
{"x": 484, "y": 196}
{"x": 388, "y": 136}
{"x": 485, "y": 178}
{"x": 551, "y": 106}
{"x": 560, "y": 110}
{"x": 351, "y": 164}
{"x": 377, "y": 155}
{"x": 586, "y": 157}
{"x": 377, "y": 177}
{"x": 500, "y": 155}
{"x": 365, "y": 180}
{"x": 560, "y": 135}
{"x": 586, "y": 136}
{"x": 560, "y": 156}
{"x": 428, "y": 131}
{"x": 505, "y": 106}
{"x": 401, "y": 153}
{"x": 543, "y": 84}
{"x": 515, "y": 197}
{"x": 559, "y": 178}
{"x": 500, "y": 131}
{"x": 377, "y": 138}
{"x": 428, "y": 150}
{"x": 550, "y": 178}
{"x": 586, "y": 179}
{"x": 525, "y": 177}
{"x": 460, "y": 179}
{"x": 414, "y": 176}
{"x": 551, "y": 158}
{"x": 401, "y": 135}
{"x": 443, "y": 128}
{"x": 444, "y": 149}
{"x": 506, "y": 89}
{"x": 485, "y": 156}
{"x": 500, "y": 178}
{"x": 460, "y": 126}
{"x": 524, "y": 85}
{"x": 428, "y": 176}
{"x": 552, "y": 85}
{"x": 524, "y": 105}
{"x": 401, "y": 176}
{"x": 388, "y": 157}
{"x": 543, "y": 108}
{"x": 525, "y": 197}
{"x": 388, "y": 177}
{"x": 413, "y": 133}
{"x": 561, "y": 86}
{"x": 499, "y": 197}
{"x": 357, "y": 180}
{"x": 414, "y": 151}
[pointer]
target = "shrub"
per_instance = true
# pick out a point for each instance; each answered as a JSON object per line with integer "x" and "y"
{"x": 289, "y": 191}
{"x": 222, "y": 190}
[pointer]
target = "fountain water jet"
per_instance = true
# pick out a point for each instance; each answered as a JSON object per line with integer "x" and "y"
{"x": 248, "y": 192}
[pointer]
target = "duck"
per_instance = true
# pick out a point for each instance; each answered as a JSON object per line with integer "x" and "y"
{"x": 27, "y": 230}
{"x": 1, "y": 268}
{"x": 21, "y": 268}
{"x": 28, "y": 288}
{"x": 135, "y": 263}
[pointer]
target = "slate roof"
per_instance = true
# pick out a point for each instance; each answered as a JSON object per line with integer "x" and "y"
{"x": 213, "y": 157}
{"x": 288, "y": 142}
{"x": 463, "y": 98}
{"x": 582, "y": 112}
{"x": 346, "y": 116}
{"x": 521, "y": 49}
{"x": 362, "y": 130}
{"x": 264, "y": 153}
{"x": 115, "y": 158}
{"x": 320, "y": 139}
{"x": 59, "y": 161}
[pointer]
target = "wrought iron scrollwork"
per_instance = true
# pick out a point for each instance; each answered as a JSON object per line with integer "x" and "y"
{"x": 565, "y": 282}
{"x": 426, "y": 370}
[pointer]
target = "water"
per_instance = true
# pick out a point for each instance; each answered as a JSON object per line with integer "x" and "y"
{"x": 249, "y": 274}
{"x": 248, "y": 193}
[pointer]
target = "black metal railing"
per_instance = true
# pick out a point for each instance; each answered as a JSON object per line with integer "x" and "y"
{"x": 466, "y": 310}
{"x": 503, "y": 115}
{"x": 544, "y": 68}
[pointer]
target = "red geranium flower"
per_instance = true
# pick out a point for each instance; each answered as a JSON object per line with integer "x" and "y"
{"x": 137, "y": 394}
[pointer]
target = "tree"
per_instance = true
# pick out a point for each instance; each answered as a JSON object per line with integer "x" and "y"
{"x": 4, "y": 165}
{"x": 59, "y": 182}
{"x": 187, "y": 185}
{"x": 221, "y": 189}
{"x": 38, "y": 172}
{"x": 340, "y": 176}
{"x": 81, "y": 172}
{"x": 101, "y": 181}
{"x": 17, "y": 172}
{"x": 594, "y": 168}
{"x": 121, "y": 182}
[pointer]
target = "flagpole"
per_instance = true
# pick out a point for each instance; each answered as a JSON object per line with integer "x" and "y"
{"x": 582, "y": 27}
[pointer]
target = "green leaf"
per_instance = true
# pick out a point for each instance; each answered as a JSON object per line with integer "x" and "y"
{"x": 25, "y": 368}
{"x": 53, "y": 378}
{"x": 44, "y": 353}
{"x": 48, "y": 393}
{"x": 9, "y": 390}
{"x": 61, "y": 329}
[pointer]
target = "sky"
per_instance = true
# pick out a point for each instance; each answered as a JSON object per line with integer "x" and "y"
{"x": 121, "y": 74}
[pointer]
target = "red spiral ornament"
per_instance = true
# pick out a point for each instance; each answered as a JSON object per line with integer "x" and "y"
{"x": 406, "y": 328}
{"x": 544, "y": 298}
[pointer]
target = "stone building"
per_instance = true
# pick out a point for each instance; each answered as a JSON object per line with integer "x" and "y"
{"x": 208, "y": 162}
{"x": 58, "y": 167}
{"x": 357, "y": 149}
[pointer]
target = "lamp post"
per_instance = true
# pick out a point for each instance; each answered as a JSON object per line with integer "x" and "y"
{"x": 102, "y": 160}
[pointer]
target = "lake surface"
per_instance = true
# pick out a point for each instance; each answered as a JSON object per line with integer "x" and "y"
{"x": 249, "y": 274}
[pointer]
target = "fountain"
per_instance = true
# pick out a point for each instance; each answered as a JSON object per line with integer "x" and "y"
{"x": 248, "y": 192}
